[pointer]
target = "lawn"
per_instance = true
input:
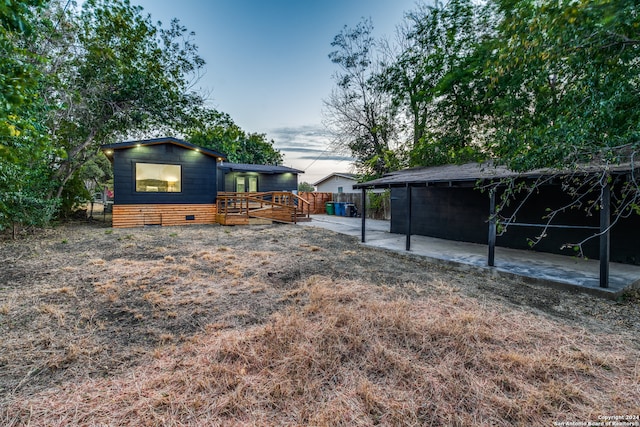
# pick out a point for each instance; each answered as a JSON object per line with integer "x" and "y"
{"x": 289, "y": 325}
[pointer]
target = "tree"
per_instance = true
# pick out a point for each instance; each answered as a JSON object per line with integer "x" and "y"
{"x": 111, "y": 72}
{"x": 25, "y": 147}
{"x": 217, "y": 131}
{"x": 565, "y": 86}
{"x": 434, "y": 81}
{"x": 18, "y": 77}
{"x": 306, "y": 187}
{"x": 359, "y": 114}
{"x": 408, "y": 80}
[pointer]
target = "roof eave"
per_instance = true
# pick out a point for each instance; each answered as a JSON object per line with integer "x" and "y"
{"x": 157, "y": 141}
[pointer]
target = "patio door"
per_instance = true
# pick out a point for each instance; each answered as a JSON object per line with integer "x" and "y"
{"x": 253, "y": 183}
{"x": 246, "y": 183}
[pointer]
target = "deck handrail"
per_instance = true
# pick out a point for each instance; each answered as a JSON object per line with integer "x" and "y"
{"x": 243, "y": 203}
{"x": 300, "y": 199}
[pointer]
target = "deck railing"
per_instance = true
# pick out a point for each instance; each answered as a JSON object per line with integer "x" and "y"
{"x": 281, "y": 206}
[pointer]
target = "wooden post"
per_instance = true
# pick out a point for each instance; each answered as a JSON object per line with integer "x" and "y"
{"x": 408, "y": 207}
{"x": 492, "y": 228}
{"x": 605, "y": 222}
{"x": 364, "y": 212}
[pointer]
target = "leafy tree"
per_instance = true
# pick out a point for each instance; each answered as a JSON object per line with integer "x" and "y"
{"x": 407, "y": 77}
{"x": 565, "y": 86}
{"x": 21, "y": 200}
{"x": 217, "y": 131}
{"x": 305, "y": 186}
{"x": 25, "y": 147}
{"x": 435, "y": 83}
{"x": 112, "y": 73}
{"x": 96, "y": 173}
{"x": 18, "y": 77}
{"x": 361, "y": 116}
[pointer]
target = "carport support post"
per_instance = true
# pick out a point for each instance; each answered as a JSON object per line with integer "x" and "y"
{"x": 408, "y": 207}
{"x": 605, "y": 222}
{"x": 492, "y": 228}
{"x": 364, "y": 212}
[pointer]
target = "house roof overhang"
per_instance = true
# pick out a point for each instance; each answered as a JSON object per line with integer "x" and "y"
{"x": 267, "y": 169}
{"x": 472, "y": 173}
{"x": 108, "y": 149}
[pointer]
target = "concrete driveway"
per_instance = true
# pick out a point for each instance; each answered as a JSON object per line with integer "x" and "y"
{"x": 550, "y": 269}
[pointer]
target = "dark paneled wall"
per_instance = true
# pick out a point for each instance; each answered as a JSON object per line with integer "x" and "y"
{"x": 447, "y": 213}
{"x": 462, "y": 213}
{"x": 266, "y": 182}
{"x": 198, "y": 175}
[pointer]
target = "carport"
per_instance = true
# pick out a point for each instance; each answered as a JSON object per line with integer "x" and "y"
{"x": 475, "y": 210}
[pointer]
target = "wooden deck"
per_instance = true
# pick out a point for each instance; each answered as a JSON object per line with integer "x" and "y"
{"x": 230, "y": 209}
{"x": 278, "y": 206}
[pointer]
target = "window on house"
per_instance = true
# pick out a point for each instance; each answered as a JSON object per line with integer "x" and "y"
{"x": 158, "y": 178}
{"x": 340, "y": 190}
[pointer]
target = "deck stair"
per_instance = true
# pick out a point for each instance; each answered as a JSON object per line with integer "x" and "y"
{"x": 277, "y": 206}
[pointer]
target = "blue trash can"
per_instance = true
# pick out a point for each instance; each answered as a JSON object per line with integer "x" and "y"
{"x": 339, "y": 208}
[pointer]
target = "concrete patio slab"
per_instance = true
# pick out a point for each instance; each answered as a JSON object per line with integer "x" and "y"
{"x": 550, "y": 269}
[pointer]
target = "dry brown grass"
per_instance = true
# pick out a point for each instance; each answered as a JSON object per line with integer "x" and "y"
{"x": 272, "y": 326}
{"x": 357, "y": 355}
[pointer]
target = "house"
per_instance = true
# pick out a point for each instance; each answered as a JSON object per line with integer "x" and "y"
{"x": 240, "y": 177}
{"x": 341, "y": 187}
{"x": 446, "y": 202}
{"x": 163, "y": 181}
{"x": 337, "y": 182}
{"x": 168, "y": 181}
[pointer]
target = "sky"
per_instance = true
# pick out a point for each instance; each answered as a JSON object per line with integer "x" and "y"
{"x": 268, "y": 66}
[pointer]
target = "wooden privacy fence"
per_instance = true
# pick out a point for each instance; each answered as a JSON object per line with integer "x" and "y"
{"x": 316, "y": 201}
{"x": 378, "y": 204}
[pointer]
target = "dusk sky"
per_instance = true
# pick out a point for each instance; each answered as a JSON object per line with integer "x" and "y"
{"x": 268, "y": 66}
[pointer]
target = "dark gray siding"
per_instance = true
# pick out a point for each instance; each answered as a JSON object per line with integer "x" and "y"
{"x": 266, "y": 182}
{"x": 462, "y": 213}
{"x": 198, "y": 175}
{"x": 453, "y": 214}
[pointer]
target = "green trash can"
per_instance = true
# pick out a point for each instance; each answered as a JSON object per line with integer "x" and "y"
{"x": 329, "y": 208}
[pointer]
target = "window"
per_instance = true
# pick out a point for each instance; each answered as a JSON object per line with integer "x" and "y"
{"x": 340, "y": 190}
{"x": 157, "y": 178}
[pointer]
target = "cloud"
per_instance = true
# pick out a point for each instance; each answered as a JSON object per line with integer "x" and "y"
{"x": 335, "y": 158}
{"x": 308, "y": 148}
{"x": 310, "y": 140}
{"x": 305, "y": 135}
{"x": 294, "y": 149}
